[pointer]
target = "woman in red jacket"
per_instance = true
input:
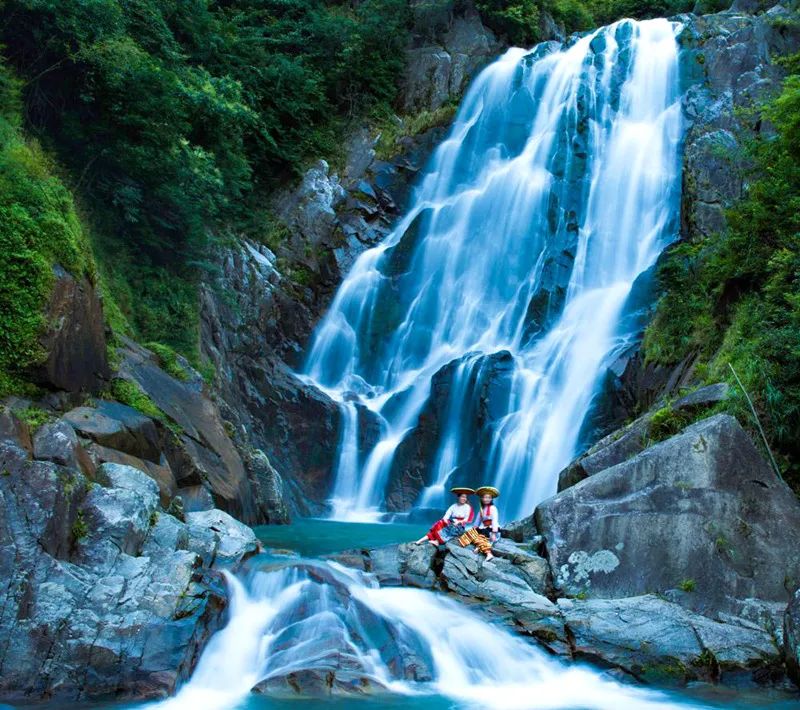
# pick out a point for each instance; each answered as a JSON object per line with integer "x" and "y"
{"x": 455, "y": 520}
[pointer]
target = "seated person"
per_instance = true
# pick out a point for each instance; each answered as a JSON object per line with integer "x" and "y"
{"x": 486, "y": 530}
{"x": 453, "y": 523}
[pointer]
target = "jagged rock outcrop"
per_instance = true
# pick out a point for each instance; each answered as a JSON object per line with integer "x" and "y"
{"x": 200, "y": 452}
{"x": 447, "y": 50}
{"x": 104, "y": 594}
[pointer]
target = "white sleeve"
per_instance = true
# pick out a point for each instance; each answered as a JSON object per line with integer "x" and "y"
{"x": 448, "y": 513}
{"x": 495, "y": 519}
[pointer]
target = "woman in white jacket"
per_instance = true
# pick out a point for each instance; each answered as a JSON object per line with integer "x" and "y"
{"x": 455, "y": 520}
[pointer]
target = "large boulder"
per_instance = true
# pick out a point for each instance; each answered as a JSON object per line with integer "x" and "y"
{"x": 629, "y": 440}
{"x": 75, "y": 338}
{"x": 117, "y": 426}
{"x": 700, "y": 515}
{"x": 105, "y": 595}
{"x": 656, "y": 640}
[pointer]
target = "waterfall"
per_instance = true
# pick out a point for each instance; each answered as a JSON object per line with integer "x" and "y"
{"x": 323, "y": 622}
{"x": 554, "y": 192}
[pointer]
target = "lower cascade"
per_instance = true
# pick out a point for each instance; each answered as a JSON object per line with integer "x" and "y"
{"x": 340, "y": 631}
{"x": 514, "y": 272}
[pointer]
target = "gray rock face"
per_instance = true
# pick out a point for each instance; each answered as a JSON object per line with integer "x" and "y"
{"x": 628, "y": 441}
{"x": 791, "y": 637}
{"x": 701, "y": 511}
{"x": 105, "y": 595}
{"x": 117, "y": 426}
{"x": 75, "y": 339}
{"x": 438, "y": 68}
{"x": 659, "y": 641}
{"x": 57, "y": 442}
{"x": 727, "y": 62}
{"x": 203, "y": 452}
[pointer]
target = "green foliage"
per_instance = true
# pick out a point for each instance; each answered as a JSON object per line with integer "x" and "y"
{"x": 80, "y": 528}
{"x": 393, "y": 129}
{"x": 38, "y": 228}
{"x": 173, "y": 118}
{"x": 518, "y": 20}
{"x": 735, "y": 297}
{"x": 687, "y": 585}
{"x": 666, "y": 422}
{"x": 131, "y": 394}
{"x": 33, "y": 416}
{"x": 168, "y": 361}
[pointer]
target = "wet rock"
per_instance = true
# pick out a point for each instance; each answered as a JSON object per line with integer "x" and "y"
{"x": 203, "y": 452}
{"x": 270, "y": 409}
{"x": 791, "y": 637}
{"x": 195, "y": 498}
{"x": 117, "y": 426}
{"x": 701, "y": 511}
{"x": 486, "y": 390}
{"x": 103, "y": 596}
{"x": 57, "y": 442}
{"x": 218, "y": 538}
{"x": 268, "y": 488}
{"x": 160, "y": 472}
{"x": 75, "y": 340}
{"x": 658, "y": 641}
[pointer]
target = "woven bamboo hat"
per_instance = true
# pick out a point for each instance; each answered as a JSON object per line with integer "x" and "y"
{"x": 458, "y": 490}
{"x": 491, "y": 490}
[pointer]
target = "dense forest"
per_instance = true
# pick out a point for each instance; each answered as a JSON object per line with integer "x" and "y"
{"x": 136, "y": 133}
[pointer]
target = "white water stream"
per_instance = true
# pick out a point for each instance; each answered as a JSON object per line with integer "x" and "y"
{"x": 323, "y": 618}
{"x": 556, "y": 189}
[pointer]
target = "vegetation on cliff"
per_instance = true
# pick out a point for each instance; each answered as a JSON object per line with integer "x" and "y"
{"x": 735, "y": 297}
{"x": 39, "y": 227}
{"x": 172, "y": 118}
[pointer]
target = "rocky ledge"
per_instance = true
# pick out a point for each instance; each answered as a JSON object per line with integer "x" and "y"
{"x": 104, "y": 592}
{"x": 670, "y": 564}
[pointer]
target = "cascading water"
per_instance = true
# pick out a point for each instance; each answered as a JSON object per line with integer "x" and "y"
{"x": 556, "y": 189}
{"x": 337, "y": 626}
